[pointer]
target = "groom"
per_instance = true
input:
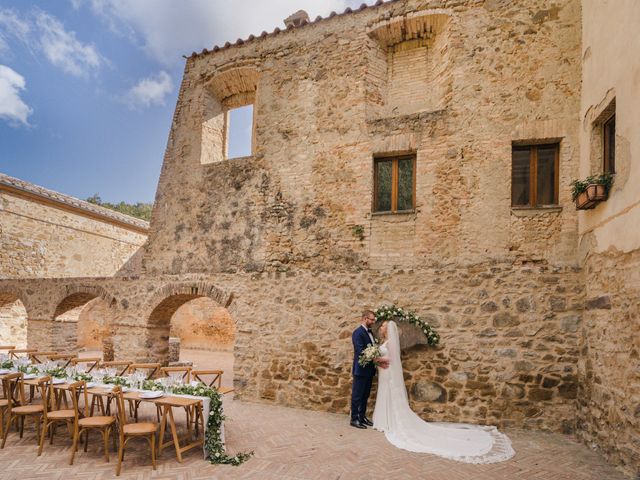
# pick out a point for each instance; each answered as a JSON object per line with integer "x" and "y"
{"x": 362, "y": 376}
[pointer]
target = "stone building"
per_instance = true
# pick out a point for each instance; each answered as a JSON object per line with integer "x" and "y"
{"x": 416, "y": 152}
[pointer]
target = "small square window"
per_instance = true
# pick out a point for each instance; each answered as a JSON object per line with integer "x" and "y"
{"x": 534, "y": 175}
{"x": 394, "y": 181}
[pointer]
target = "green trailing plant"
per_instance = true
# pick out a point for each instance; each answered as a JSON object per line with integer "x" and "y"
{"x": 391, "y": 312}
{"x": 7, "y": 364}
{"x": 213, "y": 444}
{"x": 579, "y": 186}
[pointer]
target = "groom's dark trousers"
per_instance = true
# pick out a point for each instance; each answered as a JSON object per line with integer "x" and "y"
{"x": 362, "y": 376}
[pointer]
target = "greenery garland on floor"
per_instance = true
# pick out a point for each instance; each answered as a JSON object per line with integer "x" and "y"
{"x": 213, "y": 445}
{"x": 391, "y": 312}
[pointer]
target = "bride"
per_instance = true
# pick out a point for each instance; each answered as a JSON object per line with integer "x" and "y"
{"x": 406, "y": 430}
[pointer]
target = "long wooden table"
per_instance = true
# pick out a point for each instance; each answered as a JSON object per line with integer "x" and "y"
{"x": 166, "y": 403}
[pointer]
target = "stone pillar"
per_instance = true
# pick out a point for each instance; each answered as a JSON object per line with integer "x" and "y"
{"x": 174, "y": 349}
{"x": 107, "y": 349}
{"x": 40, "y": 334}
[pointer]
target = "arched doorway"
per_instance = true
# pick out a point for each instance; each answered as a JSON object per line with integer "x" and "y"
{"x": 82, "y": 322}
{"x": 13, "y": 321}
{"x": 205, "y": 331}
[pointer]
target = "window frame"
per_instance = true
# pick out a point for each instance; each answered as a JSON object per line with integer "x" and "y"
{"x": 608, "y": 163}
{"x": 394, "y": 183}
{"x": 533, "y": 174}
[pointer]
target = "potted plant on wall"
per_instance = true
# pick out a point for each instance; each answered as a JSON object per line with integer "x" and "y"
{"x": 592, "y": 190}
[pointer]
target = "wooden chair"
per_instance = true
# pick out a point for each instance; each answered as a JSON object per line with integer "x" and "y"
{"x": 89, "y": 362}
{"x": 7, "y": 348}
{"x": 40, "y": 357}
{"x": 52, "y": 417}
{"x": 16, "y": 352}
{"x": 127, "y": 431}
{"x": 168, "y": 371}
{"x": 152, "y": 368}
{"x": 215, "y": 382}
{"x": 121, "y": 366}
{"x": 85, "y": 422}
{"x": 18, "y": 409}
{"x": 63, "y": 358}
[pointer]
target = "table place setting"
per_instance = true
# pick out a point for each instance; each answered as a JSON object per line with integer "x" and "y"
{"x": 166, "y": 392}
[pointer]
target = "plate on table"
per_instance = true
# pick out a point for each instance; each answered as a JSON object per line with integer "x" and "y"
{"x": 29, "y": 376}
{"x": 151, "y": 394}
{"x": 58, "y": 381}
{"x": 4, "y": 371}
{"x": 91, "y": 384}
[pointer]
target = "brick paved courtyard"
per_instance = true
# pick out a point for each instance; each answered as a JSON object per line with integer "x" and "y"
{"x": 296, "y": 444}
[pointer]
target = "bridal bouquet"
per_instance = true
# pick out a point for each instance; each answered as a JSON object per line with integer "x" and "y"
{"x": 369, "y": 354}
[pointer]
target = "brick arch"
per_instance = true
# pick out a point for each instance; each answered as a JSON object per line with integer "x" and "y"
{"x": 166, "y": 302}
{"x": 14, "y": 318}
{"x": 11, "y": 294}
{"x": 77, "y": 295}
{"x": 171, "y": 296}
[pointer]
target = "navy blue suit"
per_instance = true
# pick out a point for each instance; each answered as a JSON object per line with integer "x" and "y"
{"x": 362, "y": 376}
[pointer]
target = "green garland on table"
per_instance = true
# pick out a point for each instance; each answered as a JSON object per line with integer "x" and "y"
{"x": 7, "y": 364}
{"x": 116, "y": 380}
{"x": 391, "y": 312}
{"x": 85, "y": 377}
{"x": 56, "y": 372}
{"x": 213, "y": 445}
{"x": 28, "y": 369}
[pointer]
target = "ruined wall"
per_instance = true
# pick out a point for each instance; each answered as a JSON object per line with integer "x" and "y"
{"x": 609, "y": 399}
{"x": 202, "y": 324}
{"x": 38, "y": 239}
{"x": 324, "y": 106}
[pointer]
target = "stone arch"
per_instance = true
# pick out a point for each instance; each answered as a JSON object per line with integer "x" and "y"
{"x": 78, "y": 307}
{"x": 13, "y": 318}
{"x": 166, "y": 303}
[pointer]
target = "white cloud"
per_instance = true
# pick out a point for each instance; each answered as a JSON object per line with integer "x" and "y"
{"x": 150, "y": 91}
{"x": 63, "y": 49}
{"x": 167, "y": 31}
{"x": 11, "y": 26}
{"x": 12, "y": 107}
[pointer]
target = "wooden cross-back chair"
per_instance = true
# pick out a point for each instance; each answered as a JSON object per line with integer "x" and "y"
{"x": 152, "y": 368}
{"x": 184, "y": 371}
{"x": 38, "y": 356}
{"x": 54, "y": 416}
{"x": 215, "y": 381}
{"x": 19, "y": 410}
{"x": 85, "y": 422}
{"x": 17, "y": 352}
{"x": 63, "y": 358}
{"x": 127, "y": 431}
{"x": 122, "y": 366}
{"x": 89, "y": 362}
{"x": 7, "y": 348}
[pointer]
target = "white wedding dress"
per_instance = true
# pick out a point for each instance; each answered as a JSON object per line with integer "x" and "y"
{"x": 404, "y": 429}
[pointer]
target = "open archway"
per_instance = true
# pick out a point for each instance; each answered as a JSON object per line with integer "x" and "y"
{"x": 203, "y": 329}
{"x": 82, "y": 321}
{"x": 13, "y": 321}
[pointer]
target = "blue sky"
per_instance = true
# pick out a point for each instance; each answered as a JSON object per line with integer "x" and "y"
{"x": 88, "y": 87}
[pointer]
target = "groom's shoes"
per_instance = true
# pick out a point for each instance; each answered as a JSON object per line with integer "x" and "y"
{"x": 366, "y": 422}
{"x": 357, "y": 424}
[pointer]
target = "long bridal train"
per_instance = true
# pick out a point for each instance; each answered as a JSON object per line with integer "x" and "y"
{"x": 406, "y": 430}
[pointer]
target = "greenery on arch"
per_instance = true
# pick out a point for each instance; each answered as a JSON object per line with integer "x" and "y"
{"x": 391, "y": 312}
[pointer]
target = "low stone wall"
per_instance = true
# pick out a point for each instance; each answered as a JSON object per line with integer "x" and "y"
{"x": 609, "y": 399}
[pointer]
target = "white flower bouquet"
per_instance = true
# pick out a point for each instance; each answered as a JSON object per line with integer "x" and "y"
{"x": 369, "y": 354}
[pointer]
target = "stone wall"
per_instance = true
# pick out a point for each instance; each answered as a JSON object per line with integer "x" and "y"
{"x": 324, "y": 107}
{"x": 43, "y": 237}
{"x": 202, "y": 324}
{"x": 609, "y": 242}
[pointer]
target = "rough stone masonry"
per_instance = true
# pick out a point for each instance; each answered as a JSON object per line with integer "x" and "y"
{"x": 286, "y": 239}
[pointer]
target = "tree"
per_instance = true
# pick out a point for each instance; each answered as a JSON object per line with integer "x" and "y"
{"x": 138, "y": 210}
